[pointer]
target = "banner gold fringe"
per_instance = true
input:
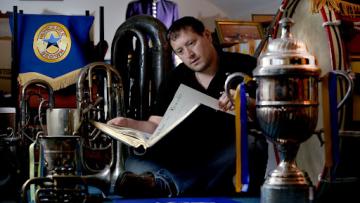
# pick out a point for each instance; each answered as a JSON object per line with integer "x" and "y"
{"x": 339, "y": 6}
{"x": 56, "y": 83}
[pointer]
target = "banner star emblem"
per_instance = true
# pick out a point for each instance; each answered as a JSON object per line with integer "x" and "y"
{"x": 52, "y": 42}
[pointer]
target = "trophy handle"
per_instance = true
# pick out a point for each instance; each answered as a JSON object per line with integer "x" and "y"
{"x": 229, "y": 81}
{"x": 350, "y": 86}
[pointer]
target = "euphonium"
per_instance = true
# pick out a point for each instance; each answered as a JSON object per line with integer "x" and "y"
{"x": 106, "y": 103}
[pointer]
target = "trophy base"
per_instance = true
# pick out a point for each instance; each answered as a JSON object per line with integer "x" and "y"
{"x": 284, "y": 194}
{"x": 287, "y": 184}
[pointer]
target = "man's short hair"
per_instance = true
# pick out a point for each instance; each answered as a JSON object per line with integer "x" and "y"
{"x": 184, "y": 23}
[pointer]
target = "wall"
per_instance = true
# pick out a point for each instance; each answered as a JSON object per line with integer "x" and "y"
{"x": 114, "y": 10}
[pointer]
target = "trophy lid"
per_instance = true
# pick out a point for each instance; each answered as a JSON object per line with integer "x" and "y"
{"x": 286, "y": 55}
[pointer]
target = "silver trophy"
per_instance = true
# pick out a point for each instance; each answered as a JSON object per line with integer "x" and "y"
{"x": 287, "y": 111}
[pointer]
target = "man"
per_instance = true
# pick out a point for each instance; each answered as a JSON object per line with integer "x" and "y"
{"x": 195, "y": 166}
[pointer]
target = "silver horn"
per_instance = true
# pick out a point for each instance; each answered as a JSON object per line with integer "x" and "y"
{"x": 106, "y": 103}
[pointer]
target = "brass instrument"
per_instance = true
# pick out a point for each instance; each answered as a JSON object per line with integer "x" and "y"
{"x": 106, "y": 103}
{"x": 88, "y": 105}
{"x": 27, "y": 128}
{"x": 142, "y": 69}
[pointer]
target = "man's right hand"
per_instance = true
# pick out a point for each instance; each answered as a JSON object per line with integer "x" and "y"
{"x": 225, "y": 103}
{"x": 148, "y": 126}
{"x": 119, "y": 121}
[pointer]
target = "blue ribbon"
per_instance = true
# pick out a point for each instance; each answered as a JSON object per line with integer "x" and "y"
{"x": 244, "y": 138}
{"x": 334, "y": 119}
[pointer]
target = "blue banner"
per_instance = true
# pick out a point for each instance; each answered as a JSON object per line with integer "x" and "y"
{"x": 52, "y": 47}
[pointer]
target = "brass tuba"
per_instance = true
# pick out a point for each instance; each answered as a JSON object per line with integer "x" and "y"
{"x": 142, "y": 69}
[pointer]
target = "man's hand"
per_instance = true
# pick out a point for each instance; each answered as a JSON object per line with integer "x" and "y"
{"x": 148, "y": 126}
{"x": 119, "y": 121}
{"x": 226, "y": 103}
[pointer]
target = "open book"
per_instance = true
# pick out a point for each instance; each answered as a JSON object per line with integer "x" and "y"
{"x": 185, "y": 102}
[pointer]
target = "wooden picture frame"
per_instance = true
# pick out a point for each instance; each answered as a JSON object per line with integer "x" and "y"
{"x": 231, "y": 32}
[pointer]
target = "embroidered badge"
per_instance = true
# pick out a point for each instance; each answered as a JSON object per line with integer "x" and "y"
{"x": 52, "y": 42}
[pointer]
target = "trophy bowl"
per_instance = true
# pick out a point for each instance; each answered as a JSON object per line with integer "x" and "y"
{"x": 287, "y": 112}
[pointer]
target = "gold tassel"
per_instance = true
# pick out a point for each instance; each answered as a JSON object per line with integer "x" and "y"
{"x": 349, "y": 9}
{"x": 56, "y": 83}
{"x": 339, "y": 6}
{"x": 318, "y": 4}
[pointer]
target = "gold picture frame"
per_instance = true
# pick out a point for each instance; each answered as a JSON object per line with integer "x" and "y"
{"x": 231, "y": 32}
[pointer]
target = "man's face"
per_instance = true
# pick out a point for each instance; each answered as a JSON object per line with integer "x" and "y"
{"x": 196, "y": 51}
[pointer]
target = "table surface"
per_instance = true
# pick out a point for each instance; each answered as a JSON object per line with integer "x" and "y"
{"x": 187, "y": 200}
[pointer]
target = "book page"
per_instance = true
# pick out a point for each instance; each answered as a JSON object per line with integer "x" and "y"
{"x": 186, "y": 99}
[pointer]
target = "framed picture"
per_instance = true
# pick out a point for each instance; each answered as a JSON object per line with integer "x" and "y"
{"x": 231, "y": 32}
